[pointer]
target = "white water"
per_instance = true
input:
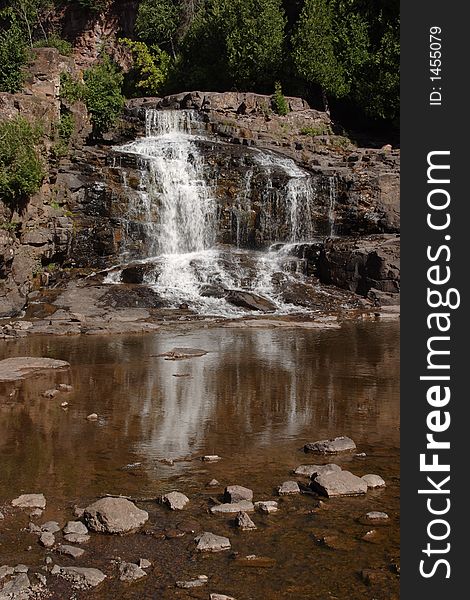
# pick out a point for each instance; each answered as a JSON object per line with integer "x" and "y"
{"x": 180, "y": 211}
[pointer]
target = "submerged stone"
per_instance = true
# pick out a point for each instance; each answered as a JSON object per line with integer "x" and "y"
{"x": 332, "y": 446}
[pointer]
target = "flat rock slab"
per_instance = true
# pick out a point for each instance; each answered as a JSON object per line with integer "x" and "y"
{"x": 72, "y": 551}
{"x": 231, "y": 508}
{"x": 30, "y": 501}
{"x": 256, "y": 562}
{"x": 267, "y": 506}
{"x": 342, "y": 483}
{"x": 51, "y": 527}
{"x": 333, "y": 446}
{"x": 77, "y": 538}
{"x": 130, "y": 572}
{"x": 194, "y": 583}
{"x": 175, "y": 500}
{"x": 14, "y": 369}
{"x": 47, "y": 539}
{"x": 221, "y": 597}
{"x": 114, "y": 515}
{"x": 183, "y": 353}
{"x": 209, "y": 542}
{"x": 82, "y": 578}
{"x": 288, "y": 488}
{"x": 237, "y": 493}
{"x": 373, "y": 481}
{"x": 75, "y": 527}
{"x": 376, "y": 516}
{"x": 15, "y": 587}
{"x": 314, "y": 470}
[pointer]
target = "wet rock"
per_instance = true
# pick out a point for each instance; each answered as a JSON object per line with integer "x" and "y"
{"x": 72, "y": 551}
{"x": 51, "y": 527}
{"x": 335, "y": 542}
{"x": 5, "y": 571}
{"x": 65, "y": 387}
{"x": 244, "y": 522}
{"x": 81, "y": 577}
{"x": 167, "y": 461}
{"x": 221, "y": 597}
{"x": 78, "y": 511}
{"x": 267, "y": 506}
{"x": 75, "y": 527}
{"x": 47, "y": 539}
{"x": 183, "y": 353}
{"x": 19, "y": 584}
{"x": 237, "y": 493}
{"x": 130, "y": 572}
{"x": 249, "y": 300}
{"x": 314, "y": 470}
{"x": 41, "y": 578}
{"x": 21, "y": 569}
{"x": 212, "y": 291}
{"x": 77, "y": 538}
{"x": 14, "y": 369}
{"x": 33, "y": 528}
{"x": 36, "y": 513}
{"x": 195, "y": 583}
{"x": 114, "y": 515}
{"x": 213, "y": 483}
{"x": 144, "y": 563}
{"x": 333, "y": 446}
{"x": 373, "y": 481}
{"x": 211, "y": 458}
{"x": 30, "y": 501}
{"x": 2, "y": 516}
{"x": 209, "y": 542}
{"x": 175, "y": 500}
{"x": 370, "y": 536}
{"x": 256, "y": 562}
{"x": 231, "y": 508}
{"x": 51, "y": 393}
{"x": 288, "y": 488}
{"x": 342, "y": 483}
{"x": 92, "y": 417}
{"x": 377, "y": 517}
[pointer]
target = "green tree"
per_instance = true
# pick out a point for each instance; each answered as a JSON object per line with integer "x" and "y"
{"x": 102, "y": 94}
{"x": 157, "y": 22}
{"x": 151, "y": 64}
{"x": 13, "y": 55}
{"x": 21, "y": 168}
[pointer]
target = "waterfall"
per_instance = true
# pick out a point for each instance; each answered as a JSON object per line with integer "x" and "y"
{"x": 332, "y": 204}
{"x": 177, "y": 205}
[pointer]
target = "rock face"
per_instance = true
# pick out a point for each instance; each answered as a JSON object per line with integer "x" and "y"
{"x": 30, "y": 501}
{"x": 333, "y": 446}
{"x": 114, "y": 515}
{"x": 237, "y": 493}
{"x": 175, "y": 500}
{"x": 209, "y": 542}
{"x": 13, "y": 369}
{"x": 342, "y": 483}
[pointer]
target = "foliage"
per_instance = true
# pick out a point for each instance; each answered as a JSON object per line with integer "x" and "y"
{"x": 314, "y": 131}
{"x": 157, "y": 21}
{"x": 102, "y": 94}
{"x": 281, "y": 107}
{"x": 54, "y": 41}
{"x": 70, "y": 90}
{"x": 94, "y": 5}
{"x": 151, "y": 64}
{"x": 13, "y": 54}
{"x": 63, "y": 133}
{"x": 21, "y": 169}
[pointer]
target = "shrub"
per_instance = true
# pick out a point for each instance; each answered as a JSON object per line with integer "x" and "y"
{"x": 71, "y": 90}
{"x": 314, "y": 131}
{"x": 54, "y": 41}
{"x": 63, "y": 133}
{"x": 151, "y": 64}
{"x": 13, "y": 57}
{"x": 102, "y": 94}
{"x": 279, "y": 101}
{"x": 21, "y": 169}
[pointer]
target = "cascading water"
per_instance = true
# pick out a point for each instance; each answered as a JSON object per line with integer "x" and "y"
{"x": 179, "y": 208}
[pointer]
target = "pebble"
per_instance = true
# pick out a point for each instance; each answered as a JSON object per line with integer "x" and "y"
{"x": 213, "y": 483}
{"x": 244, "y": 522}
{"x": 92, "y": 417}
{"x": 144, "y": 563}
{"x": 288, "y": 488}
{"x": 72, "y": 551}
{"x": 64, "y": 404}
{"x": 373, "y": 481}
{"x": 211, "y": 458}
{"x": 47, "y": 539}
{"x": 187, "y": 585}
{"x": 130, "y": 572}
{"x": 2, "y": 516}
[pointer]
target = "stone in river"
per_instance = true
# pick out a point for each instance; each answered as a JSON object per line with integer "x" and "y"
{"x": 209, "y": 542}
{"x": 267, "y": 506}
{"x": 194, "y": 583}
{"x": 5, "y": 571}
{"x": 221, "y": 597}
{"x": 30, "y": 501}
{"x": 17, "y": 587}
{"x": 373, "y": 481}
{"x": 213, "y": 483}
{"x": 175, "y": 500}
{"x": 144, "y": 563}
{"x": 2, "y": 516}
{"x": 81, "y": 578}
{"x": 13, "y": 369}
{"x": 47, "y": 539}
{"x": 211, "y": 458}
{"x": 235, "y": 507}
{"x": 183, "y": 353}
{"x": 75, "y": 527}
{"x": 51, "y": 393}
{"x": 72, "y": 551}
{"x": 244, "y": 522}
{"x": 51, "y": 527}
{"x": 237, "y": 493}
{"x": 114, "y": 515}
{"x": 130, "y": 572}
{"x": 342, "y": 483}
{"x": 314, "y": 470}
{"x": 288, "y": 488}
{"x": 92, "y": 417}
{"x": 375, "y": 515}
{"x": 333, "y": 446}
{"x": 249, "y": 300}
{"x": 77, "y": 538}
{"x": 21, "y": 568}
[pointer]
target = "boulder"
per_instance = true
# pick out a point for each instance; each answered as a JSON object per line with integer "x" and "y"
{"x": 237, "y": 493}
{"x": 335, "y": 445}
{"x": 373, "y": 481}
{"x": 314, "y": 470}
{"x": 114, "y": 515}
{"x": 288, "y": 488}
{"x": 244, "y": 522}
{"x": 233, "y": 507}
{"x": 175, "y": 500}
{"x": 81, "y": 577}
{"x": 30, "y": 501}
{"x": 209, "y": 542}
{"x": 342, "y": 483}
{"x": 249, "y": 300}
{"x": 130, "y": 572}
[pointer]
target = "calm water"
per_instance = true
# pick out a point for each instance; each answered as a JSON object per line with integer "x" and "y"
{"x": 254, "y": 399}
